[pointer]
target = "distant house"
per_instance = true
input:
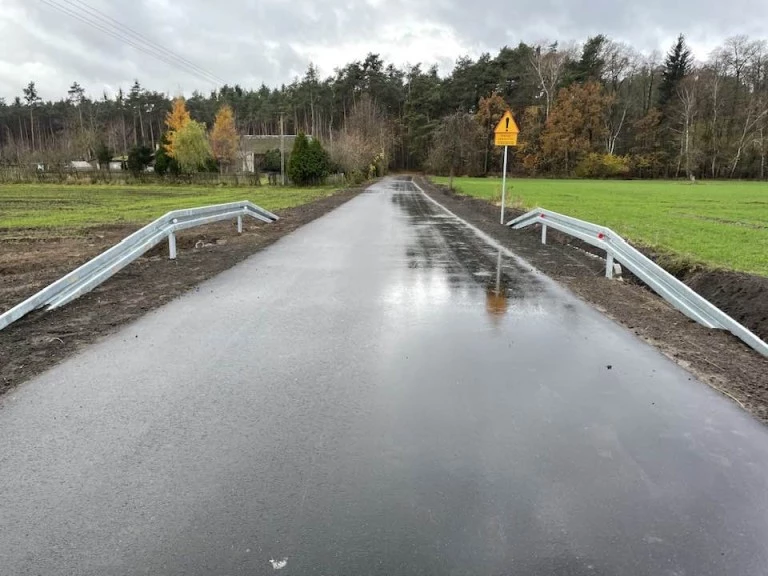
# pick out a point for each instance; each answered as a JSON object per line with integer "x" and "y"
{"x": 80, "y": 166}
{"x": 254, "y": 148}
{"x": 117, "y": 164}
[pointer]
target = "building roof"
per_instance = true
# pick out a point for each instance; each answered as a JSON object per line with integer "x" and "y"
{"x": 80, "y": 165}
{"x": 261, "y": 144}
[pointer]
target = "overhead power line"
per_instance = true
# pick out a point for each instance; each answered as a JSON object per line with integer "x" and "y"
{"x": 132, "y": 39}
{"x": 158, "y": 53}
{"x": 141, "y": 37}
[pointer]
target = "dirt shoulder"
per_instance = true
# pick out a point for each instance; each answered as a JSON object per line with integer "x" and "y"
{"x": 713, "y": 356}
{"x": 29, "y": 262}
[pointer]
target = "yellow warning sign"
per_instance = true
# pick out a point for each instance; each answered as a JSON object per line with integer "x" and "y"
{"x": 506, "y": 131}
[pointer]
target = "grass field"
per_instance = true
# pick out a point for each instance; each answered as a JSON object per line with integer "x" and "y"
{"x": 721, "y": 224}
{"x": 59, "y": 206}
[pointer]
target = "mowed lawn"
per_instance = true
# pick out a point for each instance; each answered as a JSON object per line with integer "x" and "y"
{"x": 51, "y": 206}
{"x": 722, "y": 224}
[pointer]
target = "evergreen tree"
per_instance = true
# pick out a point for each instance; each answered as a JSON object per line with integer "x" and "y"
{"x": 308, "y": 163}
{"x": 103, "y": 154}
{"x": 676, "y": 67}
{"x": 318, "y": 160}
{"x": 590, "y": 65}
{"x": 139, "y": 157}
{"x": 297, "y": 164}
{"x": 164, "y": 163}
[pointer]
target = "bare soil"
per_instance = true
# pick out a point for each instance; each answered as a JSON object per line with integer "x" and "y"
{"x": 715, "y": 357}
{"x": 30, "y": 260}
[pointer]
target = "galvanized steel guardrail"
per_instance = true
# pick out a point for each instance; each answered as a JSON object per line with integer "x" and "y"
{"x": 662, "y": 282}
{"x": 95, "y": 271}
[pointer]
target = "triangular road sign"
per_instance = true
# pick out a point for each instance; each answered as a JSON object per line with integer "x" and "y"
{"x": 506, "y": 131}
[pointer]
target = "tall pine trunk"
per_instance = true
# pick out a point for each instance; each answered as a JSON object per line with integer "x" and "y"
{"x": 32, "y": 128}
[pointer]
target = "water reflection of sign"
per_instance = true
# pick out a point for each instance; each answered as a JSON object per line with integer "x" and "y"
{"x": 496, "y": 300}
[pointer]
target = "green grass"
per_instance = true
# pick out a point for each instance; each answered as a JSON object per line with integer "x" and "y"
{"x": 720, "y": 224}
{"x": 50, "y": 206}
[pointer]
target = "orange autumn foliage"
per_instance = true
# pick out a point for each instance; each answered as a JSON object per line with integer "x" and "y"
{"x": 175, "y": 120}
{"x": 224, "y": 139}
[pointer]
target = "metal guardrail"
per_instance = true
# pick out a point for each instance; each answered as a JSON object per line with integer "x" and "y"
{"x": 108, "y": 263}
{"x": 662, "y": 282}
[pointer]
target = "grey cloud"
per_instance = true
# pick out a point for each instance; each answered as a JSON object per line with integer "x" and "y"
{"x": 272, "y": 41}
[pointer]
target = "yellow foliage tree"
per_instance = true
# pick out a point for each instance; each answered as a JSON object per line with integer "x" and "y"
{"x": 175, "y": 120}
{"x": 224, "y": 139}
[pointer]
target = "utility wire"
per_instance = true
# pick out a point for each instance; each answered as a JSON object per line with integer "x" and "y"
{"x": 151, "y": 51}
{"x": 118, "y": 35}
{"x": 124, "y": 28}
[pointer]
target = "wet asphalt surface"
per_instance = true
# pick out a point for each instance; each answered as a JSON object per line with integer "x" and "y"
{"x": 381, "y": 392}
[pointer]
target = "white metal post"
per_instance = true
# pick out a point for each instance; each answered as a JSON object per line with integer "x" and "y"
{"x": 609, "y": 265}
{"x": 239, "y": 224}
{"x": 172, "y": 246}
{"x": 504, "y": 185}
{"x": 543, "y": 233}
{"x": 282, "y": 152}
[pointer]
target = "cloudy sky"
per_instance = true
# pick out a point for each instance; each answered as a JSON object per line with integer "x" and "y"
{"x": 272, "y": 41}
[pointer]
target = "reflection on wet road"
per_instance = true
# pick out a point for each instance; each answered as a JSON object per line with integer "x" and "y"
{"x": 448, "y": 252}
{"x": 381, "y": 392}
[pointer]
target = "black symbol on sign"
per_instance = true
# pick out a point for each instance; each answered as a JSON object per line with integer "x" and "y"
{"x": 507, "y": 124}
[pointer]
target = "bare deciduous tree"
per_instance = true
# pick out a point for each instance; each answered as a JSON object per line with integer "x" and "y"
{"x": 548, "y": 65}
{"x": 457, "y": 146}
{"x": 364, "y": 144}
{"x": 622, "y": 65}
{"x": 687, "y": 105}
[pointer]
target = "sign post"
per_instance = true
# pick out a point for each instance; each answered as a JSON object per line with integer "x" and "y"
{"x": 505, "y": 134}
{"x": 504, "y": 184}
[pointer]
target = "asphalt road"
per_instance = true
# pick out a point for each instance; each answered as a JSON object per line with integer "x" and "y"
{"x": 381, "y": 392}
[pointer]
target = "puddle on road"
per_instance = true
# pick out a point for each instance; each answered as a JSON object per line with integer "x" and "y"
{"x": 443, "y": 243}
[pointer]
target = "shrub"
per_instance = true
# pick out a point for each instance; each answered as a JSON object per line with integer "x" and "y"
{"x": 163, "y": 162}
{"x": 596, "y": 165}
{"x": 272, "y": 160}
{"x": 308, "y": 163}
{"x": 139, "y": 157}
{"x": 103, "y": 154}
{"x": 648, "y": 165}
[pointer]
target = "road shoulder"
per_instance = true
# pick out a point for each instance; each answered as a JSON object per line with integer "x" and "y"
{"x": 714, "y": 357}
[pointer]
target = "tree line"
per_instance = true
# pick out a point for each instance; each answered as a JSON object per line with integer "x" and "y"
{"x": 600, "y": 108}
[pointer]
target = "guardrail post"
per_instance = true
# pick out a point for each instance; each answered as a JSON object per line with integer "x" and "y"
{"x": 543, "y": 233}
{"x": 239, "y": 224}
{"x": 172, "y": 245}
{"x": 609, "y": 265}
